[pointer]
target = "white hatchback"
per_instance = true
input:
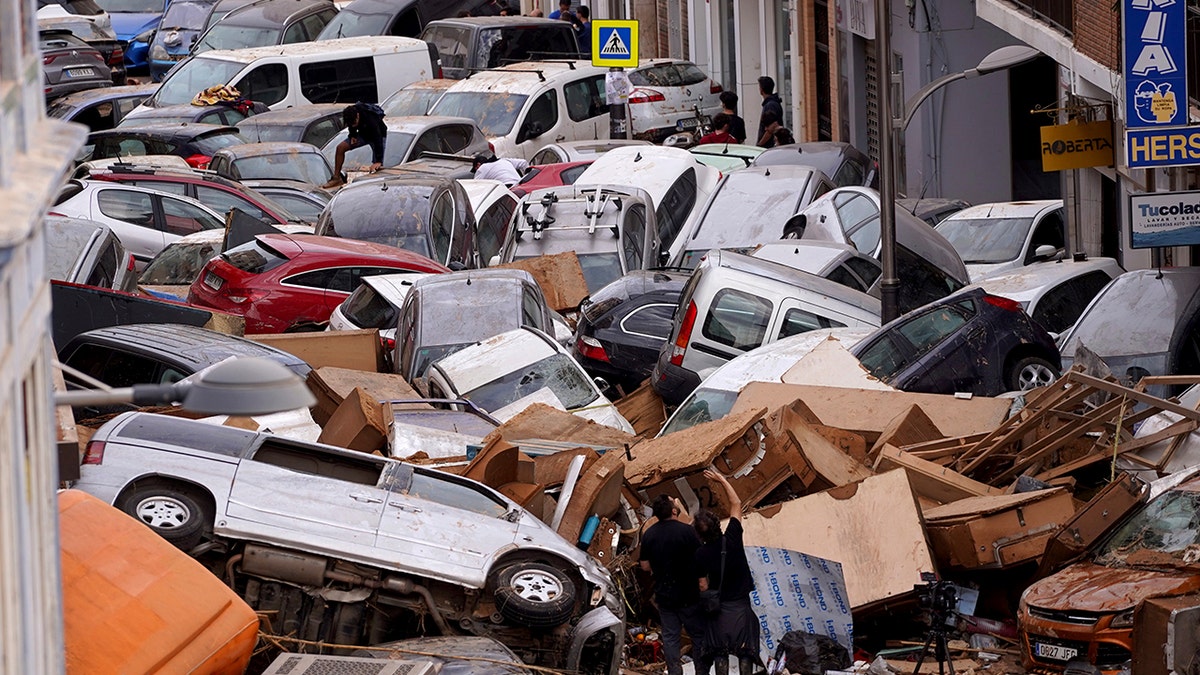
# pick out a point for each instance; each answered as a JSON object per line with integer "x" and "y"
{"x": 670, "y": 95}
{"x": 511, "y": 371}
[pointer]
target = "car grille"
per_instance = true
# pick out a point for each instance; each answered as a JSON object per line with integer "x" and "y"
{"x": 1075, "y": 617}
{"x": 1110, "y": 656}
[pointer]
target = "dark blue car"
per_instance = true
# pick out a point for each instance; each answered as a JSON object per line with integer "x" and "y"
{"x": 179, "y": 29}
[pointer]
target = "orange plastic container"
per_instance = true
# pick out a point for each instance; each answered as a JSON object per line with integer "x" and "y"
{"x": 133, "y": 603}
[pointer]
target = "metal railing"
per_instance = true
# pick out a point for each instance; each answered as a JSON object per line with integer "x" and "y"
{"x": 1057, "y": 13}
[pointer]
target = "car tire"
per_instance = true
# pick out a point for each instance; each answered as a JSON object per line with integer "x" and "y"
{"x": 1031, "y": 372}
{"x": 534, "y": 595}
{"x": 174, "y": 513}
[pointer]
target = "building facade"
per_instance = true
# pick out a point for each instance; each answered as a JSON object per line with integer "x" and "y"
{"x": 35, "y": 154}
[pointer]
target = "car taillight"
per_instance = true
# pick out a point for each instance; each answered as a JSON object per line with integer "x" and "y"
{"x": 388, "y": 343}
{"x": 590, "y": 347}
{"x": 198, "y": 161}
{"x": 646, "y": 96}
{"x": 117, "y": 57}
{"x": 97, "y": 55}
{"x": 49, "y": 58}
{"x": 131, "y": 265}
{"x": 685, "y": 334}
{"x": 1002, "y": 303}
{"x": 94, "y": 453}
{"x": 715, "y": 88}
{"x": 241, "y": 296}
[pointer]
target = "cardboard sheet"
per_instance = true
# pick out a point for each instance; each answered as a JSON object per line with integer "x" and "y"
{"x": 658, "y": 459}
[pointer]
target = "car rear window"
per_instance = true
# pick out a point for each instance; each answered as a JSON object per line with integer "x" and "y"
{"x": 210, "y": 143}
{"x": 254, "y": 257}
{"x": 214, "y": 438}
{"x": 177, "y": 264}
{"x": 667, "y": 75}
{"x": 368, "y": 309}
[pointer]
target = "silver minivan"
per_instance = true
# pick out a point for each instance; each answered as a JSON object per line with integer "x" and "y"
{"x": 734, "y": 303}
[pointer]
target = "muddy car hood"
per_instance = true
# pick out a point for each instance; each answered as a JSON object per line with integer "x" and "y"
{"x": 1093, "y": 588}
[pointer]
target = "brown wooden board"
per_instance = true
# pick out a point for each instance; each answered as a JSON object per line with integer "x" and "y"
{"x": 644, "y": 410}
{"x": 560, "y": 277}
{"x": 932, "y": 480}
{"x": 692, "y": 449}
{"x": 544, "y": 422}
{"x": 597, "y": 492}
{"x": 1092, "y": 522}
{"x": 551, "y": 470}
{"x": 354, "y": 349}
{"x": 873, "y": 528}
{"x": 909, "y": 427}
{"x": 868, "y": 412}
{"x": 330, "y": 385}
{"x": 829, "y": 462}
{"x": 999, "y": 530}
{"x": 357, "y": 424}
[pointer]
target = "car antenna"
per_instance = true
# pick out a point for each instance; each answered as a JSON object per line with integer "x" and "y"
{"x": 767, "y": 172}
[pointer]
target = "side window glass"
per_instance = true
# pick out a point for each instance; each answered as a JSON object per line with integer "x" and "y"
{"x": 493, "y": 227}
{"x": 737, "y": 319}
{"x": 1049, "y": 232}
{"x": 798, "y": 321}
{"x": 542, "y": 117}
{"x": 454, "y": 138}
{"x": 230, "y": 117}
{"x": 531, "y": 311}
{"x": 107, "y": 264}
{"x": 321, "y": 131}
{"x": 341, "y": 80}
{"x": 884, "y": 358}
{"x": 127, "y": 205}
{"x": 676, "y": 205}
{"x": 842, "y": 275}
{"x": 213, "y": 117}
{"x": 428, "y": 142}
{"x": 546, "y": 156}
{"x": 313, "y": 25}
{"x": 451, "y": 45}
{"x": 295, "y": 33}
{"x": 267, "y": 84}
{"x": 1054, "y": 308}
{"x": 849, "y": 173}
{"x": 163, "y": 186}
{"x": 440, "y": 223}
{"x": 585, "y": 98}
{"x": 131, "y": 146}
{"x": 634, "y": 238}
{"x": 181, "y": 218}
{"x": 114, "y": 367}
{"x": 925, "y": 331}
{"x": 652, "y": 321}
{"x": 407, "y": 24}
{"x": 867, "y": 270}
{"x": 320, "y": 279}
{"x": 221, "y": 202}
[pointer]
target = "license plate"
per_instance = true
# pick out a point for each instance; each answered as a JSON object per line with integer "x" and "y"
{"x": 80, "y": 72}
{"x": 689, "y": 123}
{"x": 1054, "y": 652}
{"x": 213, "y": 281}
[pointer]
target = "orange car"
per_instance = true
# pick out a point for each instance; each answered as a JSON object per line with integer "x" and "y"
{"x": 1082, "y": 616}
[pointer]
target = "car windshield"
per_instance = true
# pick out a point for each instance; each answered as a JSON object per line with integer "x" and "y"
{"x": 986, "y": 240}
{"x": 193, "y": 75}
{"x": 131, "y": 6}
{"x": 355, "y": 24}
{"x": 558, "y": 373}
{"x": 1165, "y": 533}
{"x": 494, "y": 112}
{"x": 190, "y": 15}
{"x": 223, "y": 36}
{"x": 178, "y": 264}
{"x": 305, "y": 167}
{"x": 368, "y": 309}
{"x": 747, "y": 209}
{"x": 427, "y": 355}
{"x": 358, "y": 159}
{"x": 704, "y": 405}
{"x": 408, "y": 102}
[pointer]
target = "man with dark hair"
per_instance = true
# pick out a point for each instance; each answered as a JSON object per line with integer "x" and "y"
{"x": 364, "y": 126}
{"x": 737, "y": 125}
{"x": 583, "y": 30}
{"x": 668, "y": 552}
{"x": 564, "y": 7}
{"x": 772, "y": 110}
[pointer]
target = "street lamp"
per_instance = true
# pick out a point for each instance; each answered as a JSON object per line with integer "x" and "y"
{"x": 1001, "y": 59}
{"x": 241, "y": 386}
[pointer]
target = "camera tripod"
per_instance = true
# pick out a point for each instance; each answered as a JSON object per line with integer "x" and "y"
{"x": 936, "y": 639}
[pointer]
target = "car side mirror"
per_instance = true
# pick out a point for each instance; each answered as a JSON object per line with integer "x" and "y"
{"x": 1044, "y": 252}
{"x": 601, "y": 383}
{"x": 794, "y": 227}
{"x": 664, "y": 258}
{"x": 493, "y": 261}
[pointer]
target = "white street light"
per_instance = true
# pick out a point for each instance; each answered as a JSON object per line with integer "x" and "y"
{"x": 241, "y": 386}
{"x": 1001, "y": 59}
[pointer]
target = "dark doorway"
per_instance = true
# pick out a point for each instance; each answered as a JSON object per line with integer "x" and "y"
{"x": 1030, "y": 86}
{"x": 1110, "y": 220}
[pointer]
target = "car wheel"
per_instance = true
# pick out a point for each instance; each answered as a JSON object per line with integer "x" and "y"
{"x": 1031, "y": 372}
{"x": 534, "y": 594}
{"x": 173, "y": 513}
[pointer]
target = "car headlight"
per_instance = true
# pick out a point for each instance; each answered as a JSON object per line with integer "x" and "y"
{"x": 1122, "y": 620}
{"x": 159, "y": 53}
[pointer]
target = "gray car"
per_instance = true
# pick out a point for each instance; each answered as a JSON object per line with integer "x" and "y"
{"x": 84, "y": 251}
{"x": 359, "y": 539}
{"x": 313, "y": 124}
{"x": 70, "y": 64}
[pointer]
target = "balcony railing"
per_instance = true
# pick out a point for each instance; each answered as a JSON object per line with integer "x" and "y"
{"x": 1058, "y": 13}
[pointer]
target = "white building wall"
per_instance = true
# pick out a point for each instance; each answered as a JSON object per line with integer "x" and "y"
{"x": 34, "y": 155}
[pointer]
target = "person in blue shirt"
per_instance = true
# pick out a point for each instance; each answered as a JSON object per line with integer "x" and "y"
{"x": 564, "y": 7}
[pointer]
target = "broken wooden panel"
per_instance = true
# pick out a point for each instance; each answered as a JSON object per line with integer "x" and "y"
{"x": 560, "y": 277}
{"x": 756, "y": 463}
{"x": 551, "y": 470}
{"x": 1092, "y": 522}
{"x": 644, "y": 409}
{"x": 597, "y": 492}
{"x": 1166, "y": 636}
{"x": 498, "y": 463}
{"x": 357, "y": 424}
{"x": 829, "y": 463}
{"x": 331, "y": 384}
{"x": 868, "y": 412}
{"x": 603, "y": 544}
{"x": 354, "y": 349}
{"x": 544, "y": 422}
{"x": 997, "y": 531}
{"x": 873, "y": 528}
{"x": 932, "y": 480}
{"x": 694, "y": 491}
{"x": 908, "y": 428}
{"x": 693, "y": 449}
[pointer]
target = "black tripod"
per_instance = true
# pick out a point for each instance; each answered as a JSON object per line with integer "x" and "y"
{"x": 937, "y": 640}
{"x": 940, "y": 599}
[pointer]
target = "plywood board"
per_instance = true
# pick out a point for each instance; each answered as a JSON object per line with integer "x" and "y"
{"x": 932, "y": 480}
{"x": 908, "y": 428}
{"x": 868, "y": 412}
{"x": 560, "y": 277}
{"x": 331, "y": 385}
{"x": 692, "y": 449}
{"x": 598, "y": 492}
{"x": 829, "y": 462}
{"x": 357, "y": 424}
{"x": 830, "y": 364}
{"x": 873, "y": 528}
{"x": 547, "y": 423}
{"x": 355, "y": 349}
{"x": 551, "y": 470}
{"x": 644, "y": 409}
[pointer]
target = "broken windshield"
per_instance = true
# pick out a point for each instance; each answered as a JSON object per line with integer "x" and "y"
{"x": 558, "y": 373}
{"x": 1166, "y": 533}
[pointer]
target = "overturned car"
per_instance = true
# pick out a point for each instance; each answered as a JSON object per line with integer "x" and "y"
{"x": 347, "y": 548}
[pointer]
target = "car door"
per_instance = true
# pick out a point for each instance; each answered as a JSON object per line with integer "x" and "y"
{"x": 293, "y": 492}
{"x": 178, "y": 218}
{"x": 445, "y": 527}
{"x": 1049, "y": 230}
{"x": 736, "y": 322}
{"x": 1060, "y": 307}
{"x": 130, "y": 214}
{"x": 540, "y": 124}
{"x": 586, "y": 108}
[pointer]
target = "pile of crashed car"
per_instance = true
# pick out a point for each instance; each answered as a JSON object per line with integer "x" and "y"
{"x": 506, "y": 376}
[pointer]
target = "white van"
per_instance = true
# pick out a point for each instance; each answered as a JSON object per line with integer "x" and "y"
{"x": 524, "y": 106}
{"x": 333, "y": 71}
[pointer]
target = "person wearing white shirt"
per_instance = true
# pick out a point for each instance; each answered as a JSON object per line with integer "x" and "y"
{"x": 490, "y": 167}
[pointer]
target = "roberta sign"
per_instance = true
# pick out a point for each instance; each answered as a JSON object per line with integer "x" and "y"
{"x": 1165, "y": 219}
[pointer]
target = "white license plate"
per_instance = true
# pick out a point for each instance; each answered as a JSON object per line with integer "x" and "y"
{"x": 213, "y": 281}
{"x": 687, "y": 123}
{"x": 1054, "y": 652}
{"x": 80, "y": 72}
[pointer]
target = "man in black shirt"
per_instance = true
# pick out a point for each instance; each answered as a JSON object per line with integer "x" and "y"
{"x": 772, "y": 111}
{"x": 668, "y": 553}
{"x": 364, "y": 126}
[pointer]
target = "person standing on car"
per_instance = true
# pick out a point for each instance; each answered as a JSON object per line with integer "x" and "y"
{"x": 737, "y": 125}
{"x": 364, "y": 126}
{"x": 668, "y": 553}
{"x": 734, "y": 630}
{"x": 772, "y": 110}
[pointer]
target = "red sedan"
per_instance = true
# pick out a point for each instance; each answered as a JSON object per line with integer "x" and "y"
{"x": 290, "y": 282}
{"x": 550, "y": 175}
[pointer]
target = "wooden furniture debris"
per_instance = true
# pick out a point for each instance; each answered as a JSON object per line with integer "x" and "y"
{"x": 644, "y": 409}
{"x": 657, "y": 459}
{"x": 931, "y": 480}
{"x": 997, "y": 531}
{"x": 330, "y": 385}
{"x": 543, "y": 422}
{"x": 358, "y": 424}
{"x": 354, "y": 349}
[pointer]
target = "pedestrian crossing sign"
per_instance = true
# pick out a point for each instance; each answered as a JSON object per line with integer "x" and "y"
{"x": 614, "y": 44}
